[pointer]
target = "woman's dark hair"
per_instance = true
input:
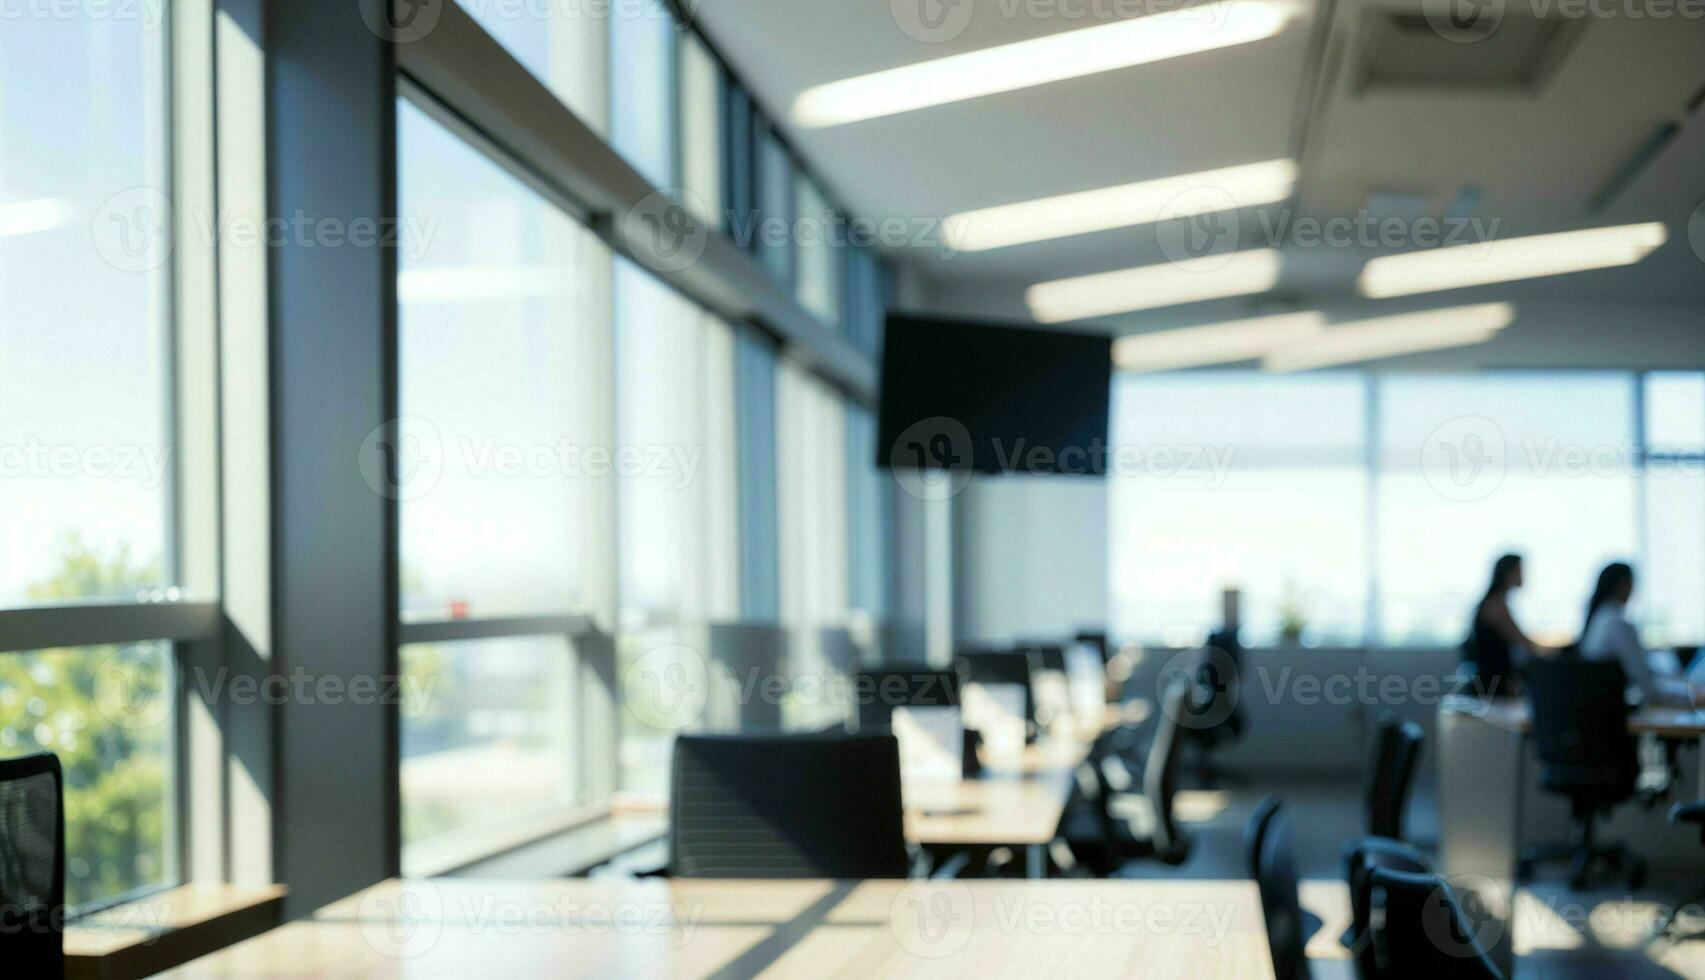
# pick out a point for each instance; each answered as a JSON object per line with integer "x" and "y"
{"x": 1501, "y": 570}
{"x": 1610, "y": 581}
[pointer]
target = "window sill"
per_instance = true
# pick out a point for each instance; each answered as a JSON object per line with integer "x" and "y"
{"x": 575, "y": 851}
{"x": 142, "y": 938}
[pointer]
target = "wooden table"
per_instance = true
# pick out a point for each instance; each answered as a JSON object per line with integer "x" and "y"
{"x": 167, "y": 928}
{"x": 1516, "y": 715}
{"x": 461, "y": 928}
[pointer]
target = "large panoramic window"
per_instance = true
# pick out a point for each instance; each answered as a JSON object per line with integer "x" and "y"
{"x": 86, "y": 447}
{"x": 505, "y": 476}
{"x": 1239, "y": 482}
{"x": 1307, "y": 492}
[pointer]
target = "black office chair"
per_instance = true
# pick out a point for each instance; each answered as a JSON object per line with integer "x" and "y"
{"x": 787, "y": 806}
{"x": 1003, "y": 667}
{"x": 1391, "y": 774}
{"x": 32, "y": 866}
{"x": 1361, "y": 859}
{"x": 1092, "y": 828}
{"x": 879, "y": 690}
{"x": 1267, "y": 841}
{"x": 1580, "y": 724}
{"x": 1420, "y": 932}
{"x": 1218, "y": 701}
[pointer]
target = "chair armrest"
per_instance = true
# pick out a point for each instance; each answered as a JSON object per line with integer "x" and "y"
{"x": 1687, "y": 813}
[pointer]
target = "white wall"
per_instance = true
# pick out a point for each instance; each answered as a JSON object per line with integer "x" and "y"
{"x": 1030, "y": 557}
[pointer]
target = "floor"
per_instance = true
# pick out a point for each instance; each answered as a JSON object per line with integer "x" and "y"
{"x": 1559, "y": 935}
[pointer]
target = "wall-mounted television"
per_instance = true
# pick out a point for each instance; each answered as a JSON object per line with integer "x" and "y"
{"x": 992, "y": 398}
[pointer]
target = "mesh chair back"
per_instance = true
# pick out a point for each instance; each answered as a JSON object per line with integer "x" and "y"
{"x": 1397, "y": 749}
{"x": 1269, "y": 841}
{"x": 1160, "y": 772}
{"x": 787, "y": 806}
{"x": 1580, "y": 725}
{"x": 32, "y": 866}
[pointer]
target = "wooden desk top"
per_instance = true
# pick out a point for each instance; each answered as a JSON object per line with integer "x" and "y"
{"x": 168, "y": 928}
{"x": 1017, "y": 801}
{"x": 1514, "y": 715}
{"x": 459, "y": 928}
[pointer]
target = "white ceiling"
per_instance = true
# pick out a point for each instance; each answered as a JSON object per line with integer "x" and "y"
{"x": 1535, "y": 157}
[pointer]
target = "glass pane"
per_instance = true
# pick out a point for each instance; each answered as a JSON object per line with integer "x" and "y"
{"x": 675, "y": 410}
{"x": 811, "y": 474}
{"x": 1473, "y": 467}
{"x": 503, "y": 342}
{"x": 642, "y": 89}
{"x": 84, "y": 281}
{"x": 1667, "y": 599}
{"x": 107, "y": 712}
{"x": 819, "y": 263}
{"x": 756, "y": 378}
{"x": 1675, "y": 412}
{"x": 1239, "y": 481}
{"x": 489, "y": 744}
{"x": 870, "y": 512}
{"x": 563, "y": 44}
{"x": 701, "y": 130}
{"x": 774, "y": 233}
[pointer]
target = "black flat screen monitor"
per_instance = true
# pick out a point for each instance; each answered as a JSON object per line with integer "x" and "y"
{"x": 988, "y": 398}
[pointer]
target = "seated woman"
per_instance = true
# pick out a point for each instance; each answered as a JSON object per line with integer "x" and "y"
{"x": 1609, "y": 634}
{"x": 1495, "y": 642}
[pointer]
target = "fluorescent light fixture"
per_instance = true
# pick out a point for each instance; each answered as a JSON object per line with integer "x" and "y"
{"x": 1511, "y": 259}
{"x": 1145, "y": 202}
{"x": 1151, "y": 286}
{"x": 1220, "y": 343}
{"x": 28, "y": 217}
{"x": 1409, "y": 333}
{"x": 1023, "y": 64}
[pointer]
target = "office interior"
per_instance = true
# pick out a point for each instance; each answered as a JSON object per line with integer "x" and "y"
{"x": 732, "y": 488}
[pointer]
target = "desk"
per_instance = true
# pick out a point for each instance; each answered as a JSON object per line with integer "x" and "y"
{"x": 1483, "y": 783}
{"x": 460, "y": 928}
{"x": 139, "y": 938}
{"x": 1017, "y": 802}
